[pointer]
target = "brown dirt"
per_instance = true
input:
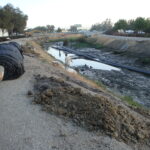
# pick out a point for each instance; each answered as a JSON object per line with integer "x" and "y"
{"x": 24, "y": 126}
{"x": 95, "y": 113}
{"x": 92, "y": 108}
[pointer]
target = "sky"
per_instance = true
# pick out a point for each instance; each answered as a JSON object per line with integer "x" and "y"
{"x": 63, "y": 13}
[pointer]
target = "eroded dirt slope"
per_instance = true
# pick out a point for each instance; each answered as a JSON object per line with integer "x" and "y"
{"x": 94, "y": 112}
{"x": 24, "y": 126}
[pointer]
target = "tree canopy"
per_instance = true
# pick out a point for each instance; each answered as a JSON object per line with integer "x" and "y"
{"x": 50, "y": 28}
{"x": 73, "y": 28}
{"x": 47, "y": 28}
{"x": 59, "y": 29}
{"x": 104, "y": 26}
{"x": 12, "y": 19}
{"x": 121, "y": 24}
{"x": 139, "y": 24}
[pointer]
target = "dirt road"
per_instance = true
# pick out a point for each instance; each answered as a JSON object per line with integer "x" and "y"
{"x": 128, "y": 38}
{"x": 24, "y": 126}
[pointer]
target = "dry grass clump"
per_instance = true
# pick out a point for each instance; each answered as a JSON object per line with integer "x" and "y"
{"x": 32, "y": 47}
{"x": 62, "y": 36}
{"x": 95, "y": 113}
{"x": 101, "y": 39}
{"x": 85, "y": 80}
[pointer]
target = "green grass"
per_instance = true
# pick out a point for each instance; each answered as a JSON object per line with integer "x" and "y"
{"x": 83, "y": 43}
{"x": 78, "y": 42}
{"x": 129, "y": 100}
{"x": 100, "y": 84}
{"x": 145, "y": 60}
{"x": 87, "y": 45}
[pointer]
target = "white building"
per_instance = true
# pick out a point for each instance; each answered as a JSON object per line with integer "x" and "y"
{"x": 129, "y": 31}
{"x": 4, "y": 34}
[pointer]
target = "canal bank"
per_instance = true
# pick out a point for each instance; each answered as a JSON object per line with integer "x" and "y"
{"x": 67, "y": 95}
{"x": 124, "y": 83}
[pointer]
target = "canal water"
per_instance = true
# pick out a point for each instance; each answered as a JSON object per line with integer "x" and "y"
{"x": 77, "y": 61}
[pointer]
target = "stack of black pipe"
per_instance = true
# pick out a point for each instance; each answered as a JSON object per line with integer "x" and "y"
{"x": 11, "y": 58}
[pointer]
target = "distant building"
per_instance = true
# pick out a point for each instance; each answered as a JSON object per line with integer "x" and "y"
{"x": 121, "y": 31}
{"x": 64, "y": 30}
{"x": 4, "y": 33}
{"x": 141, "y": 32}
{"x": 129, "y": 31}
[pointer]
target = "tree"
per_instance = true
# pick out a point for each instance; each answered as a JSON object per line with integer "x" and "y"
{"x": 59, "y": 30}
{"x": 78, "y": 25}
{"x": 104, "y": 26}
{"x": 19, "y": 21}
{"x": 41, "y": 28}
{"x": 147, "y": 27}
{"x": 131, "y": 24}
{"x": 140, "y": 24}
{"x": 2, "y": 20}
{"x": 51, "y": 28}
{"x": 121, "y": 24}
{"x": 12, "y": 19}
{"x": 73, "y": 28}
{"x": 96, "y": 27}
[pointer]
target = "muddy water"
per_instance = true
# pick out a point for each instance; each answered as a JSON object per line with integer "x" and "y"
{"x": 122, "y": 82}
{"x": 76, "y": 61}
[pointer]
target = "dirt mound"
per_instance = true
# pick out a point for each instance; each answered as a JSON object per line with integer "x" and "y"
{"x": 95, "y": 113}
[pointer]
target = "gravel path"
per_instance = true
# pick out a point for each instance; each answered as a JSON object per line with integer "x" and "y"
{"x": 24, "y": 126}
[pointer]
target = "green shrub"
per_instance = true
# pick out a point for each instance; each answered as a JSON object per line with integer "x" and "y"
{"x": 66, "y": 42}
{"x": 131, "y": 102}
{"x": 145, "y": 60}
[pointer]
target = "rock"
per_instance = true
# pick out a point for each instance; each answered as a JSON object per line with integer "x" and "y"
{"x": 30, "y": 93}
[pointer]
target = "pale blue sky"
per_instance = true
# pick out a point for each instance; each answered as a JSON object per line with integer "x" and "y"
{"x": 64, "y": 13}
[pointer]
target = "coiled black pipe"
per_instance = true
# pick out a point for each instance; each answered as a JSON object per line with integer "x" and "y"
{"x": 11, "y": 58}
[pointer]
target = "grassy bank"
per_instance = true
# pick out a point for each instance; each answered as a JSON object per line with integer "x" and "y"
{"x": 63, "y": 37}
{"x": 129, "y": 100}
{"x": 75, "y": 40}
{"x": 85, "y": 43}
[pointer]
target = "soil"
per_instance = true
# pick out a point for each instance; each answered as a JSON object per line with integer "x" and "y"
{"x": 25, "y": 126}
{"x": 123, "y": 82}
{"x": 95, "y": 113}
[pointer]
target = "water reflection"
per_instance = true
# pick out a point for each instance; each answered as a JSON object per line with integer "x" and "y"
{"x": 75, "y": 61}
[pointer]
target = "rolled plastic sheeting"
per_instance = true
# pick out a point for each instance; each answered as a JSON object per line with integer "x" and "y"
{"x": 11, "y": 58}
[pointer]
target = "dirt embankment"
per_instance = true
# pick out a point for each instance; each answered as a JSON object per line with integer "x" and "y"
{"x": 65, "y": 95}
{"x": 23, "y": 126}
{"x": 132, "y": 48}
{"x": 94, "y": 112}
